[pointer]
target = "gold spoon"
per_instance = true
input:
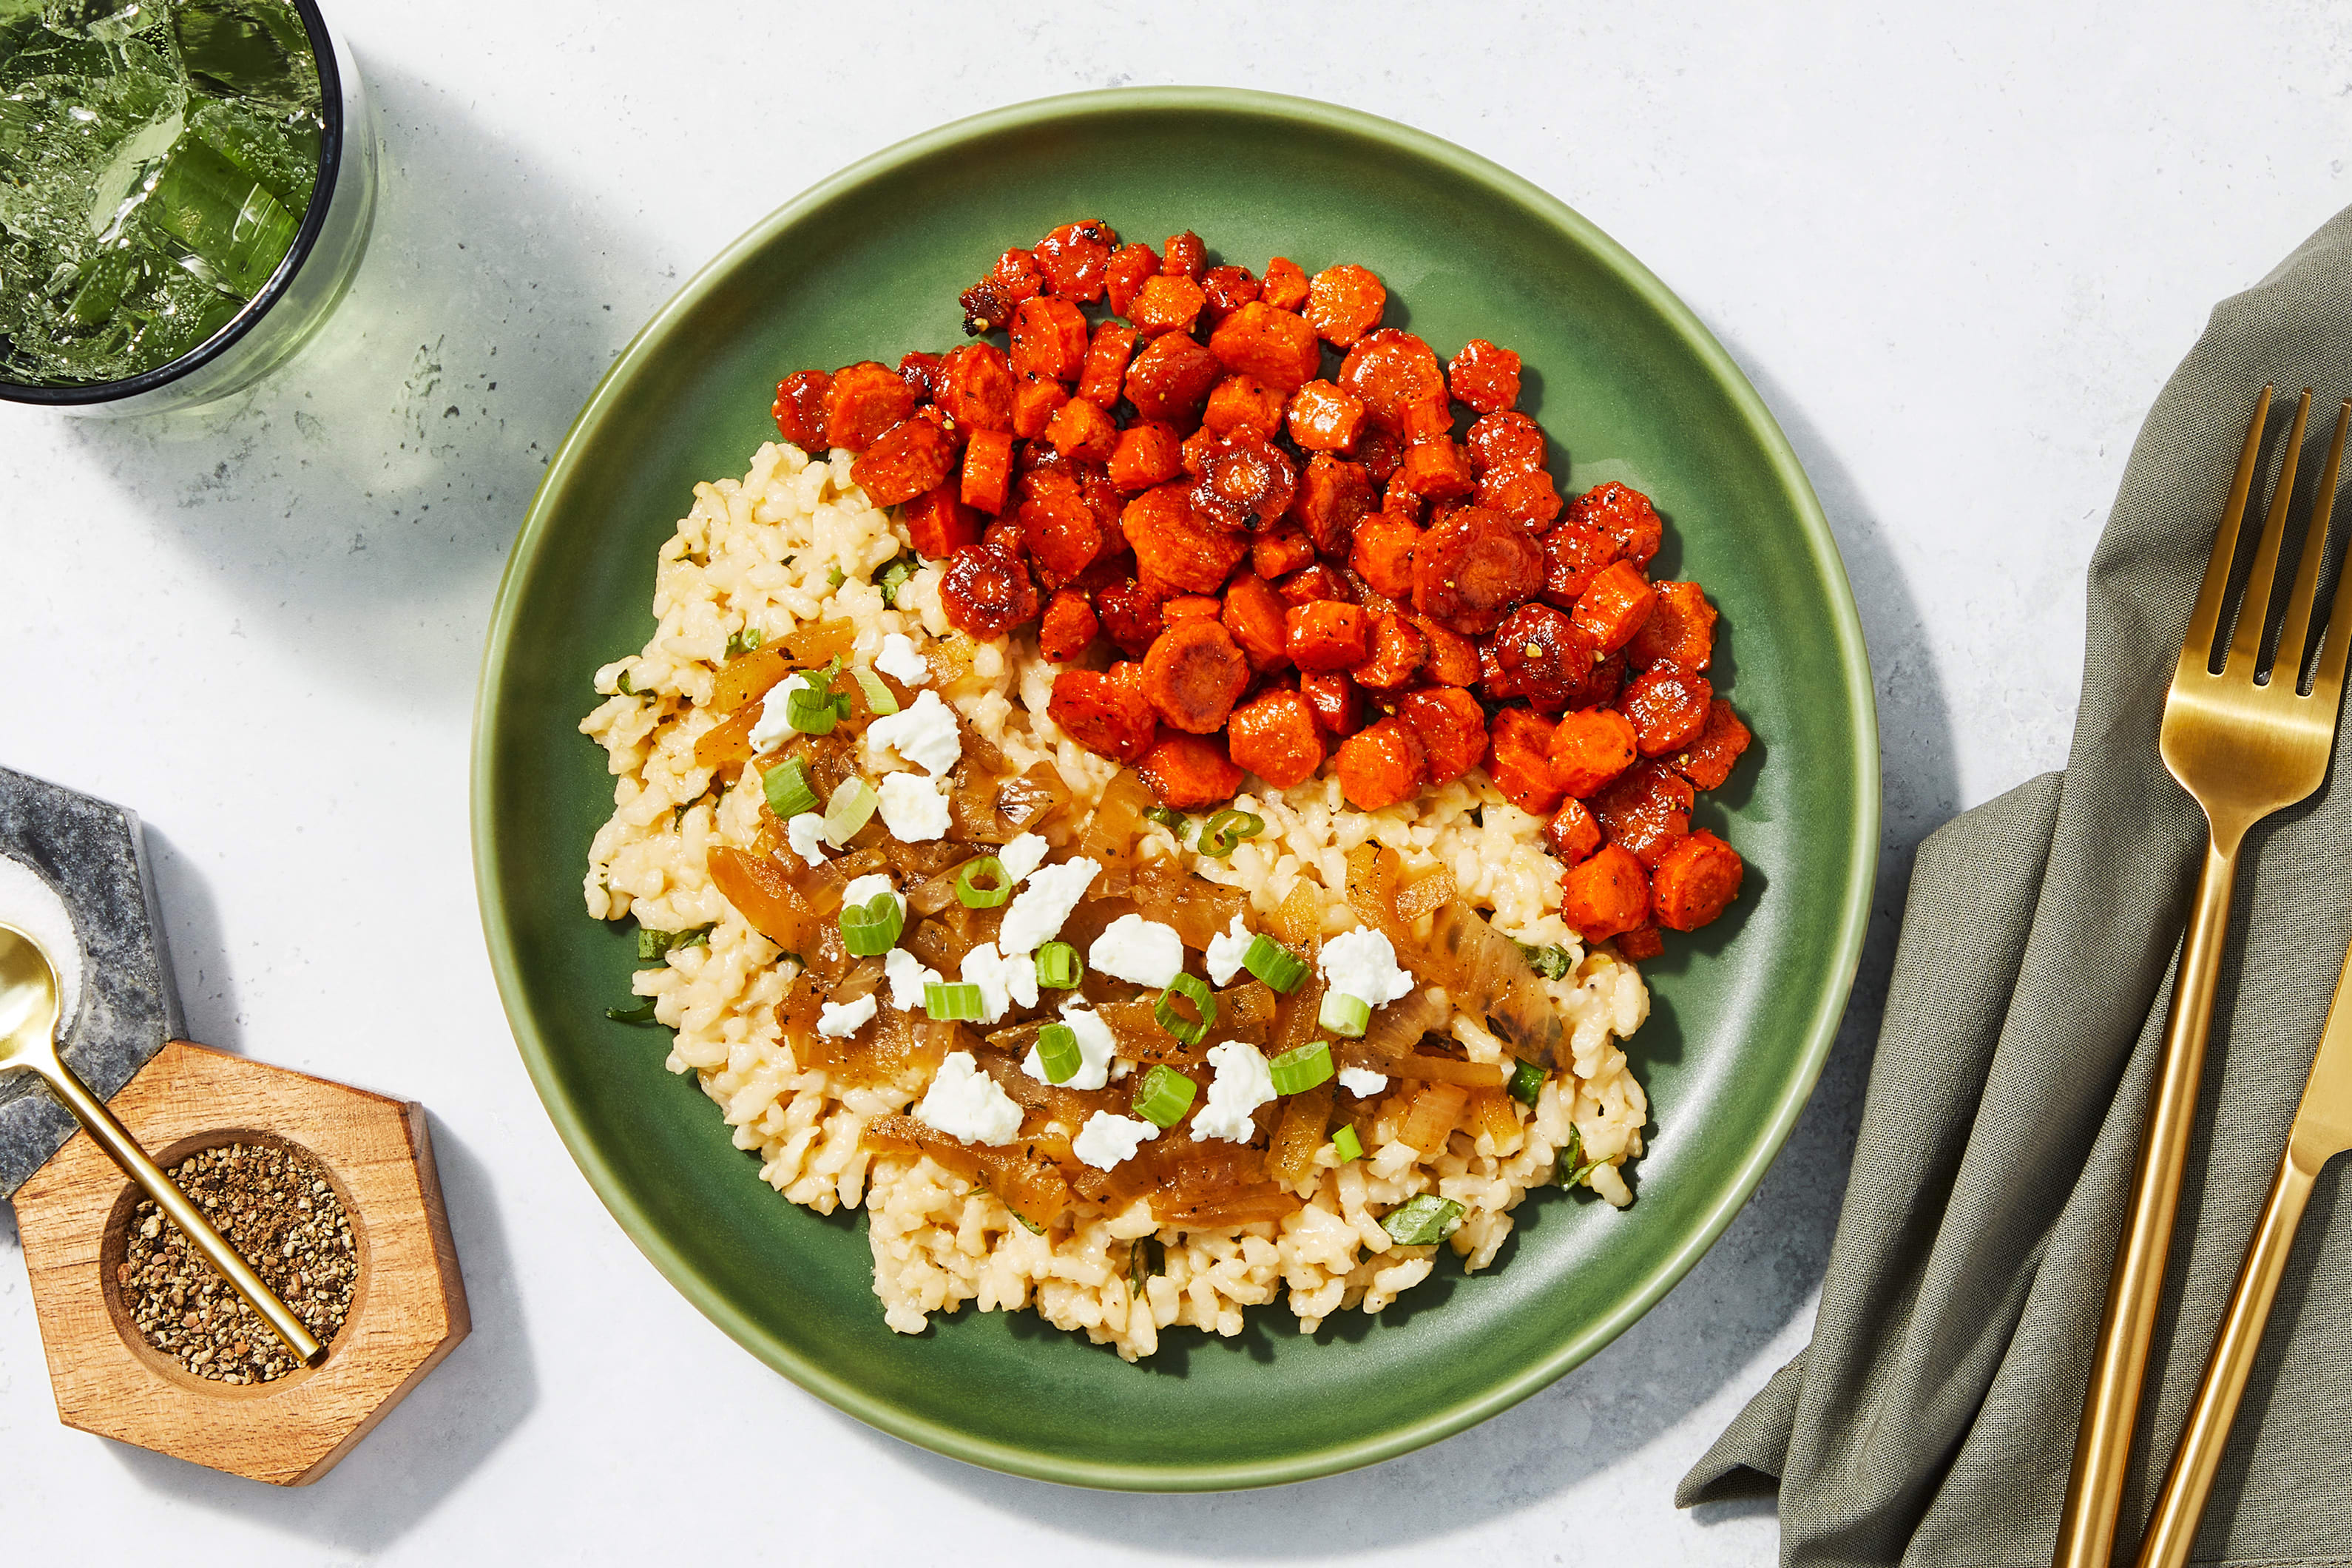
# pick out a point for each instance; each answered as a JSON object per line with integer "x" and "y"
{"x": 28, "y": 1031}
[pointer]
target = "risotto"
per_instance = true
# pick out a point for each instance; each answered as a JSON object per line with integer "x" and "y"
{"x": 1429, "y": 1134}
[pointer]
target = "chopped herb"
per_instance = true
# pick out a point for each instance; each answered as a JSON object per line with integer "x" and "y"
{"x": 1226, "y": 829}
{"x": 1422, "y": 1220}
{"x": 677, "y": 818}
{"x": 1174, "y": 822}
{"x": 834, "y": 579}
{"x": 1145, "y": 1259}
{"x": 622, "y": 685}
{"x": 642, "y": 1013}
{"x": 895, "y": 577}
{"x": 1551, "y": 963}
{"x": 653, "y": 945}
{"x": 1573, "y": 1166}
{"x": 744, "y": 641}
{"x": 1526, "y": 1082}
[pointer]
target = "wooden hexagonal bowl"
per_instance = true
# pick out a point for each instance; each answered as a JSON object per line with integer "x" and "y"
{"x": 408, "y": 1311}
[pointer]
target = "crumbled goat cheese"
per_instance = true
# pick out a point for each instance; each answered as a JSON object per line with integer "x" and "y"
{"x": 1243, "y": 1083}
{"x": 924, "y": 733}
{"x": 1037, "y": 911}
{"x": 773, "y": 728}
{"x": 1023, "y": 856}
{"x": 1225, "y": 952}
{"x": 1133, "y": 948}
{"x": 839, "y": 1020}
{"x": 1361, "y": 963}
{"x": 1107, "y": 1140}
{"x": 964, "y": 1102}
{"x": 1001, "y": 981}
{"x": 860, "y": 892}
{"x": 908, "y": 975}
{"x": 805, "y": 834}
{"x": 1096, "y": 1045}
{"x": 1362, "y": 1082}
{"x": 900, "y": 662}
{"x": 913, "y": 809}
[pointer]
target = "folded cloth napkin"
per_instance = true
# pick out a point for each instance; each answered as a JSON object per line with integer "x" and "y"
{"x": 1932, "y": 1419}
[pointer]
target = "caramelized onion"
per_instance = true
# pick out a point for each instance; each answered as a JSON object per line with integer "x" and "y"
{"x": 1114, "y": 830}
{"x": 1487, "y": 977}
{"x": 1197, "y": 908}
{"x": 763, "y": 895}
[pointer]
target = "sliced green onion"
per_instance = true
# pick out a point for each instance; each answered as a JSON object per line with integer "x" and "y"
{"x": 878, "y": 696}
{"x": 1526, "y": 1082}
{"x": 1164, "y": 1096}
{"x": 872, "y": 931}
{"x": 893, "y": 577}
{"x": 1227, "y": 828}
{"x": 987, "y": 869}
{"x": 653, "y": 945}
{"x": 642, "y": 1013}
{"x": 744, "y": 641}
{"x": 961, "y": 1003}
{"x": 1345, "y": 1141}
{"x": 1298, "y": 1071}
{"x": 851, "y": 807}
{"x": 1344, "y": 1014}
{"x": 1274, "y": 964}
{"x": 1191, "y": 1032}
{"x": 1059, "y": 967}
{"x": 811, "y": 712}
{"x": 1174, "y": 821}
{"x": 787, "y": 790}
{"x": 1057, "y": 1053}
{"x": 835, "y": 578}
{"x": 1422, "y": 1220}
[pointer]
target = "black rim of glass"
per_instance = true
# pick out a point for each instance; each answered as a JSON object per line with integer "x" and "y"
{"x": 314, "y": 220}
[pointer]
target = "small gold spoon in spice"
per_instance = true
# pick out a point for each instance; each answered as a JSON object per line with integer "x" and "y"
{"x": 28, "y": 1027}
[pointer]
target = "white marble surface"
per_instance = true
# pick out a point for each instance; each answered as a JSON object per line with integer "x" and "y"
{"x": 1959, "y": 259}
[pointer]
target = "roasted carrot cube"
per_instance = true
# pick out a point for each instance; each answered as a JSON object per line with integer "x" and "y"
{"x": 861, "y": 402}
{"x": 1507, "y": 442}
{"x": 1081, "y": 430}
{"x": 1061, "y": 532}
{"x": 1680, "y": 628}
{"x": 1285, "y": 284}
{"x": 1175, "y": 551}
{"x": 1229, "y": 288}
{"x": 987, "y": 469}
{"x": 1327, "y": 633}
{"x": 1124, "y": 274}
{"x": 1257, "y": 618}
{"x": 1647, "y": 810}
{"x": 975, "y": 386}
{"x": 988, "y": 305}
{"x": 1624, "y": 516}
{"x": 1333, "y": 497}
{"x": 1452, "y": 727}
{"x": 1280, "y": 552}
{"x": 1382, "y": 554}
{"x": 1337, "y": 701}
{"x": 1067, "y": 628}
{"x": 939, "y": 523}
{"x": 1277, "y": 347}
{"x": 1103, "y": 713}
{"x": 1381, "y": 765}
{"x": 1314, "y": 584}
{"x": 1484, "y": 376}
{"x": 1186, "y": 256}
{"x": 1605, "y": 894}
{"x": 1392, "y": 370}
{"x": 1430, "y": 419}
{"x": 1189, "y": 772}
{"x": 1694, "y": 880}
{"x": 1669, "y": 706}
{"x": 1076, "y": 258}
{"x": 1171, "y": 379}
{"x": 1519, "y": 742}
{"x": 1708, "y": 760}
{"x": 911, "y": 456}
{"x": 1273, "y": 735}
{"x": 1325, "y": 419}
{"x": 1344, "y": 302}
{"x": 1640, "y": 945}
{"x": 1170, "y": 302}
{"x": 1398, "y": 649}
{"x": 799, "y": 409}
{"x": 1245, "y": 404}
{"x": 1434, "y": 471}
{"x": 1146, "y": 454}
{"x": 1191, "y": 607}
{"x": 1613, "y": 606}
{"x": 1036, "y": 400}
{"x": 1525, "y": 495}
{"x": 1572, "y": 833}
{"x": 1453, "y": 658}
{"x": 1128, "y": 614}
{"x": 1589, "y": 749}
{"x": 1049, "y": 338}
{"x": 1106, "y": 368}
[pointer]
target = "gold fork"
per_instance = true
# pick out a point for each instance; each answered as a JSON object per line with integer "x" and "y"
{"x": 2243, "y": 748}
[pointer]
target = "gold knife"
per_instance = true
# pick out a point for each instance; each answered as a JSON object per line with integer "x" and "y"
{"x": 2322, "y": 1129}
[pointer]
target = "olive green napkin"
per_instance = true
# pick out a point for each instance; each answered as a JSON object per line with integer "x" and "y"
{"x": 1932, "y": 1418}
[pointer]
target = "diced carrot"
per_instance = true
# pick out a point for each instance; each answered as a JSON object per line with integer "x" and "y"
{"x": 1186, "y": 254}
{"x": 1680, "y": 629}
{"x": 1313, "y": 584}
{"x": 1516, "y": 760}
{"x": 1392, "y": 370}
{"x": 1606, "y": 893}
{"x": 1485, "y": 377}
{"x": 1189, "y": 772}
{"x": 1191, "y": 607}
{"x": 799, "y": 410}
{"x": 1453, "y": 658}
{"x": 1245, "y": 405}
{"x": 1326, "y": 634}
{"x": 1450, "y": 726}
{"x": 1175, "y": 551}
{"x": 939, "y": 523}
{"x": 987, "y": 470}
{"x": 1254, "y": 614}
{"x": 1277, "y": 347}
{"x": 1170, "y": 302}
{"x": 1669, "y": 706}
{"x": 1708, "y": 760}
{"x": 1146, "y": 454}
{"x": 1694, "y": 881}
{"x": 1589, "y": 749}
{"x": 1124, "y": 274}
{"x": 975, "y": 386}
{"x": 1336, "y": 700}
{"x": 1527, "y": 495}
{"x": 1380, "y": 765}
{"x": 1229, "y": 288}
{"x": 1067, "y": 628}
{"x": 1280, "y": 552}
{"x": 1036, "y": 400}
{"x": 1430, "y": 419}
{"x": 986, "y": 592}
{"x": 1572, "y": 833}
{"x": 1273, "y": 735}
{"x": 1170, "y": 379}
{"x": 1128, "y": 614}
{"x": 1613, "y": 606}
{"x": 1574, "y": 554}
{"x": 1647, "y": 810}
{"x": 1102, "y": 713}
{"x": 1285, "y": 284}
{"x": 1104, "y": 375}
{"x": 1004, "y": 535}
{"x": 1194, "y": 673}
{"x": 1397, "y": 651}
{"x": 1505, "y": 443}
{"x": 1076, "y": 258}
{"x": 1324, "y": 418}
{"x": 1049, "y": 338}
{"x": 988, "y": 305}
{"x": 1626, "y": 516}
{"x": 1433, "y": 470}
{"x": 1344, "y": 302}
{"x": 911, "y": 456}
{"x": 861, "y": 402}
{"x": 1334, "y": 496}
{"x": 1640, "y": 945}
{"x": 1383, "y": 555}
{"x": 1081, "y": 430}
{"x": 920, "y": 370}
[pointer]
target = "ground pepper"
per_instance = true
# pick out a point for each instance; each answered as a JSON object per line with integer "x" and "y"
{"x": 276, "y": 1206}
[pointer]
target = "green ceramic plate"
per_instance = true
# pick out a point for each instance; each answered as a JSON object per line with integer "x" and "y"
{"x": 867, "y": 265}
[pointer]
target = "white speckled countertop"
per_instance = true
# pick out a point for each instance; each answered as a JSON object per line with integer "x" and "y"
{"x": 1956, "y": 257}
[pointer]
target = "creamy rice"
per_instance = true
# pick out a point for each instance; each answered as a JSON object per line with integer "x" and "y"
{"x": 758, "y": 554}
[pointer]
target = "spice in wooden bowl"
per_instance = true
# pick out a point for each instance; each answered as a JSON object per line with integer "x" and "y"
{"x": 277, "y": 1207}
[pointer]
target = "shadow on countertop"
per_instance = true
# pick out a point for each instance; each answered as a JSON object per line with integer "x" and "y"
{"x": 1711, "y": 1329}
{"x": 359, "y": 502}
